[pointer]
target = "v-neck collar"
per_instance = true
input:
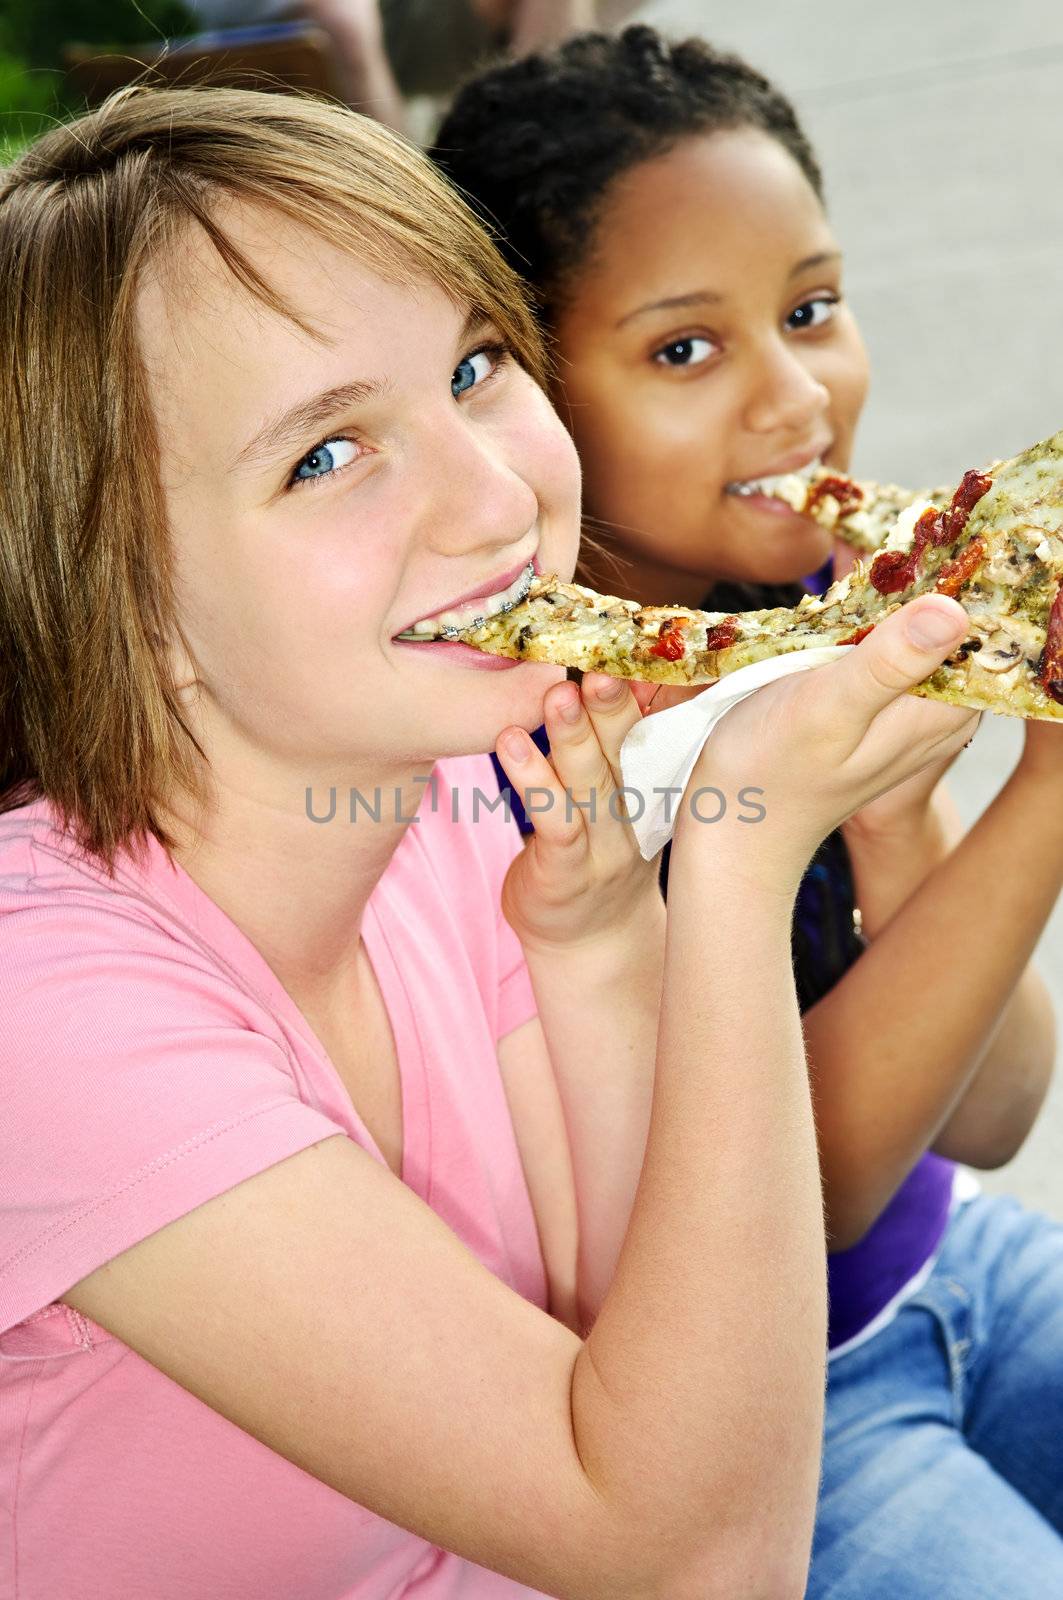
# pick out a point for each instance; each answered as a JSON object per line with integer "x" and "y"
{"x": 214, "y": 928}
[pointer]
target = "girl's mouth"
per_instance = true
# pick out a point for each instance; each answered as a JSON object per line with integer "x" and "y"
{"x": 788, "y": 488}
{"x": 451, "y": 624}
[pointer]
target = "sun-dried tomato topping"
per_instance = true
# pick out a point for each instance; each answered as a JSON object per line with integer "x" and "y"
{"x": 954, "y": 574}
{"x": 670, "y": 642}
{"x": 895, "y": 570}
{"x": 723, "y": 635}
{"x": 973, "y": 486}
{"x": 848, "y": 494}
{"x": 861, "y": 633}
{"x": 1050, "y": 668}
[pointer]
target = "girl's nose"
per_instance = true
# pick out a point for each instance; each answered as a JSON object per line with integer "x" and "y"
{"x": 784, "y": 396}
{"x": 473, "y": 496}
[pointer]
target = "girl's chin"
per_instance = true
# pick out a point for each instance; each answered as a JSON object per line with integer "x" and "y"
{"x": 784, "y": 563}
{"x": 497, "y": 700}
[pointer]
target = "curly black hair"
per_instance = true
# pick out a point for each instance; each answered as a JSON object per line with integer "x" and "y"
{"x": 535, "y": 144}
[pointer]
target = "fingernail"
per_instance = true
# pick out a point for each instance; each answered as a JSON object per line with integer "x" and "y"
{"x": 515, "y": 745}
{"x": 929, "y": 628}
{"x": 568, "y": 709}
{"x": 612, "y": 690}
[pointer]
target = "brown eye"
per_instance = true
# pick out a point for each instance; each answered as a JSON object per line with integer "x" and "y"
{"x": 684, "y": 352}
{"x": 812, "y": 313}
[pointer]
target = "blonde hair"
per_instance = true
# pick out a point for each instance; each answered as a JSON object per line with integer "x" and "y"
{"x": 89, "y": 716}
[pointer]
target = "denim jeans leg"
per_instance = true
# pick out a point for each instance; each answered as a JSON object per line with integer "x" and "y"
{"x": 908, "y": 1510}
{"x": 1012, "y": 1258}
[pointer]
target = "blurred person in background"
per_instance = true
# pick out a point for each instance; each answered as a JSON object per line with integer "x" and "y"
{"x": 389, "y": 49}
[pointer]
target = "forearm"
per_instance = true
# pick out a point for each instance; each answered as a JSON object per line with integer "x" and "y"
{"x": 599, "y": 1010}
{"x": 707, "y": 1355}
{"x": 1001, "y": 1103}
{"x": 890, "y": 865}
{"x": 924, "y": 1002}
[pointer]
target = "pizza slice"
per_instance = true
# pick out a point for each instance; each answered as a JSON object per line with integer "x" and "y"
{"x": 996, "y": 546}
{"x": 861, "y": 514}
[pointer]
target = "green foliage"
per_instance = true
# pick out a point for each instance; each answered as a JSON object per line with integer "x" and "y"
{"x": 32, "y": 36}
{"x": 27, "y": 103}
{"x": 37, "y": 30}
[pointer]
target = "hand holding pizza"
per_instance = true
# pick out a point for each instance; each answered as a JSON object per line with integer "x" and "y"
{"x": 581, "y": 878}
{"x": 823, "y": 744}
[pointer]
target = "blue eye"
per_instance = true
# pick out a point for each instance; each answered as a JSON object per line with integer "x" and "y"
{"x": 325, "y": 458}
{"x": 813, "y": 313}
{"x": 684, "y": 352}
{"x": 473, "y": 370}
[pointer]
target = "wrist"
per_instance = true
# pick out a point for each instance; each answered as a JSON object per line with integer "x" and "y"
{"x": 916, "y": 825}
{"x": 609, "y": 952}
{"x": 738, "y": 864}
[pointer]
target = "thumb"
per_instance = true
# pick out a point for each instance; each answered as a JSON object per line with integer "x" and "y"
{"x": 652, "y": 697}
{"x": 904, "y": 650}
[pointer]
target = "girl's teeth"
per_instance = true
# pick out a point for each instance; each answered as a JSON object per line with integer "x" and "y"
{"x": 784, "y": 481}
{"x": 448, "y": 624}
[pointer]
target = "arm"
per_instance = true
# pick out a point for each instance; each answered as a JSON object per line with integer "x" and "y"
{"x": 969, "y": 1036}
{"x": 601, "y": 1015}
{"x": 1000, "y": 1104}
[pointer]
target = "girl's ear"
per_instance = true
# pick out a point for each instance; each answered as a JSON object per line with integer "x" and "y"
{"x": 183, "y": 672}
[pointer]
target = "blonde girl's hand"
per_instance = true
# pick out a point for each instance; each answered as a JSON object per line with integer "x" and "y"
{"x": 581, "y": 877}
{"x": 821, "y": 745}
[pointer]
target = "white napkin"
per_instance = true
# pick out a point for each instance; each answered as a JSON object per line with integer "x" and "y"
{"x": 660, "y": 751}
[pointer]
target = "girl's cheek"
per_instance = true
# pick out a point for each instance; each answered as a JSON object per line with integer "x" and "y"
{"x": 554, "y": 463}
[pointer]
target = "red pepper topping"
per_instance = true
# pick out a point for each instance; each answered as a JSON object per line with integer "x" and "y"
{"x": 1050, "y": 669}
{"x": 723, "y": 635}
{"x": 861, "y": 633}
{"x": 670, "y": 642}
{"x": 954, "y": 574}
{"x": 848, "y": 494}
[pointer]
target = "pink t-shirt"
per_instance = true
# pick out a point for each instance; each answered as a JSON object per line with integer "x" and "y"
{"x": 150, "y": 1060}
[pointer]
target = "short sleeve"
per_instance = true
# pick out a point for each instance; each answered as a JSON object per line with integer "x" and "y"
{"x": 137, "y": 1081}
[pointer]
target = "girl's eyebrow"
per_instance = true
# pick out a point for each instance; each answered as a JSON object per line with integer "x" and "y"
{"x": 283, "y": 434}
{"x": 287, "y": 431}
{"x": 697, "y": 297}
{"x": 819, "y": 260}
{"x": 708, "y": 297}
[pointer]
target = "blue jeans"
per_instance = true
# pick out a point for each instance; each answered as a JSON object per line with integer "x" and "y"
{"x": 943, "y": 1464}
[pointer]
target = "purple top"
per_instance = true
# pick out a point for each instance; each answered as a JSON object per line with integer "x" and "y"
{"x": 863, "y": 1280}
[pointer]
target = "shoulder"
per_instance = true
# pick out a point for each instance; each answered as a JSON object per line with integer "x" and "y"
{"x": 73, "y": 936}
